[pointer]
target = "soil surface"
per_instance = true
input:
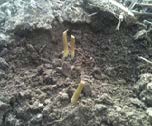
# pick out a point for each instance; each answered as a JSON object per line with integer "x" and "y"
{"x": 37, "y": 83}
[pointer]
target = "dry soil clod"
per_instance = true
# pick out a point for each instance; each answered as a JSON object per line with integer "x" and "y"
{"x": 77, "y": 93}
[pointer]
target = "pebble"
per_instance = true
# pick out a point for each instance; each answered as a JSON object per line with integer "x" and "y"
{"x": 64, "y": 96}
{"x": 149, "y": 111}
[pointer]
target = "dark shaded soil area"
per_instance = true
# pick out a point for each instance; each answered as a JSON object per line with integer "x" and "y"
{"x": 39, "y": 83}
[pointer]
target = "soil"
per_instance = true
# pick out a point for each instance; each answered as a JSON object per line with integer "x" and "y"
{"x": 39, "y": 82}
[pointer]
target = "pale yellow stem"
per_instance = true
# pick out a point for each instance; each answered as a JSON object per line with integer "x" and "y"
{"x": 65, "y": 44}
{"x": 72, "y": 46}
{"x": 77, "y": 93}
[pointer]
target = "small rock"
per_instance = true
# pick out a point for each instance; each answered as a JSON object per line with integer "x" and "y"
{"x": 149, "y": 111}
{"x": 63, "y": 98}
{"x": 66, "y": 69}
{"x": 3, "y": 64}
{"x": 105, "y": 99}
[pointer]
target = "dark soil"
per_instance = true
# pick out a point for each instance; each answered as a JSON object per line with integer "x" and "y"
{"x": 39, "y": 83}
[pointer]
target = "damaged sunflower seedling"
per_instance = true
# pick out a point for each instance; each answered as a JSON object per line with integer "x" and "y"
{"x": 65, "y": 44}
{"x": 77, "y": 92}
{"x": 72, "y": 46}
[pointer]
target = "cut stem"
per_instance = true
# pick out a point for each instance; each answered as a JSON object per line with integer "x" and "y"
{"x": 72, "y": 46}
{"x": 65, "y": 44}
{"x": 77, "y": 93}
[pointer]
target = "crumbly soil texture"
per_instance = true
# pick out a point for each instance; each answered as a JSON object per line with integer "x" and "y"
{"x": 38, "y": 83}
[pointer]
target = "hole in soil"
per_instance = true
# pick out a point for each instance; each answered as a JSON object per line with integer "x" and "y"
{"x": 115, "y": 54}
